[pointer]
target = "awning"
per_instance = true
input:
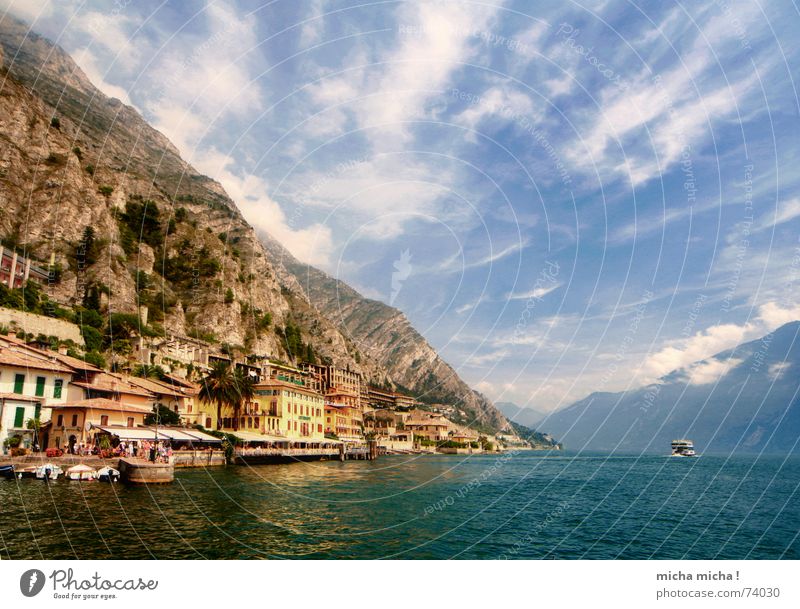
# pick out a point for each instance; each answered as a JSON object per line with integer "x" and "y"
{"x": 188, "y": 435}
{"x": 131, "y": 433}
{"x": 257, "y": 437}
{"x": 163, "y": 433}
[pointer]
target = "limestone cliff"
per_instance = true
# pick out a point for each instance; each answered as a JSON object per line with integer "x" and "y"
{"x": 166, "y": 237}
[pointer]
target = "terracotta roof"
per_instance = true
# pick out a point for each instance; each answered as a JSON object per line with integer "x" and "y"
{"x": 162, "y": 387}
{"x": 16, "y": 356}
{"x": 286, "y": 385}
{"x": 114, "y": 383}
{"x": 22, "y": 398}
{"x": 73, "y": 362}
{"x": 103, "y": 404}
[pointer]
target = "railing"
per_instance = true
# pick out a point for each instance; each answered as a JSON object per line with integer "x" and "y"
{"x": 256, "y": 452}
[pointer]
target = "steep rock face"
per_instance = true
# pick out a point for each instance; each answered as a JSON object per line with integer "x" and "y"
{"x": 198, "y": 266}
{"x": 385, "y": 336}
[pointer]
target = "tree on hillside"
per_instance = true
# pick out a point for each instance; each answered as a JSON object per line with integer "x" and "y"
{"x": 149, "y": 371}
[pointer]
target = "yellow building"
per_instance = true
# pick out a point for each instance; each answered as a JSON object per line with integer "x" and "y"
{"x": 287, "y": 410}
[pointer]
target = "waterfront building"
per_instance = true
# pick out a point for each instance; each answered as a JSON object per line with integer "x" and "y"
{"x": 285, "y": 410}
{"x": 31, "y": 383}
{"x": 429, "y": 425}
{"x": 112, "y": 386}
{"x": 176, "y": 394}
{"x": 77, "y": 422}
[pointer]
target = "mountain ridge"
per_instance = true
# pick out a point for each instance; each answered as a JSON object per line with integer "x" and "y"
{"x": 752, "y": 406}
{"x": 87, "y": 160}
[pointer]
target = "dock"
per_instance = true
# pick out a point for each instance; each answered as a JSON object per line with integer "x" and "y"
{"x": 140, "y": 471}
{"x": 259, "y": 456}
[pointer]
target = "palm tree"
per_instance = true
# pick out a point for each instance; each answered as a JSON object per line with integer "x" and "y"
{"x": 245, "y": 391}
{"x": 219, "y": 387}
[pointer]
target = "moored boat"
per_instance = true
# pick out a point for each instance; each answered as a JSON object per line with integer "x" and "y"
{"x": 108, "y": 474}
{"x": 48, "y": 471}
{"x": 683, "y": 448}
{"x": 26, "y": 472}
{"x": 7, "y": 471}
{"x": 81, "y": 472}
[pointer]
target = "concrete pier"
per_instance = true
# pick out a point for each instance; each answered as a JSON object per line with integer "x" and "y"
{"x": 139, "y": 471}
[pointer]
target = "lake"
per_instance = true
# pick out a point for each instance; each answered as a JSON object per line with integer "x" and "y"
{"x": 524, "y": 505}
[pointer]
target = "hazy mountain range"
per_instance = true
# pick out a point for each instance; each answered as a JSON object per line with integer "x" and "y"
{"x": 744, "y": 399}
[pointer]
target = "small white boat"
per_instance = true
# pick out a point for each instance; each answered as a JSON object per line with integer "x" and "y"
{"x": 108, "y": 474}
{"x": 81, "y": 472}
{"x": 26, "y": 472}
{"x": 683, "y": 448}
{"x": 48, "y": 471}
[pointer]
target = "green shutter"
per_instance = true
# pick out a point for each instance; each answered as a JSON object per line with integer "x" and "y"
{"x": 57, "y": 388}
{"x": 37, "y": 411}
{"x": 40, "y": 380}
{"x": 19, "y": 383}
{"x": 19, "y": 417}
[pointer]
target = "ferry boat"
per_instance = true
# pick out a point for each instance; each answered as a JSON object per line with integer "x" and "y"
{"x": 683, "y": 448}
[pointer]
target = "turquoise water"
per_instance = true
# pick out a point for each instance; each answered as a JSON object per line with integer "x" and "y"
{"x": 526, "y": 505}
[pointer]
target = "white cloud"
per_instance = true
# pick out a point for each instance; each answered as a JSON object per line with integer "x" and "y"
{"x": 776, "y": 371}
{"x": 312, "y": 244}
{"x": 704, "y": 373}
{"x": 785, "y": 212}
{"x": 535, "y": 293}
{"x": 688, "y": 353}
{"x": 89, "y": 64}
{"x": 28, "y": 10}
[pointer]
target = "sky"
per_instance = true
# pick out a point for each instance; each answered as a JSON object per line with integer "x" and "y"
{"x": 563, "y": 197}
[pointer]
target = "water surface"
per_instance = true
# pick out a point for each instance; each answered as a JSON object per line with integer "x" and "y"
{"x": 525, "y": 505}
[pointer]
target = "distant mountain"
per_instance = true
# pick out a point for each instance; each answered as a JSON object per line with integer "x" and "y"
{"x": 519, "y": 414}
{"x": 753, "y": 406}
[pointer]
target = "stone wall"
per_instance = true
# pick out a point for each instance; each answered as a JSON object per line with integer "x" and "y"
{"x": 39, "y": 324}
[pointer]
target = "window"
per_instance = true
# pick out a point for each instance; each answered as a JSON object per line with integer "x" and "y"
{"x": 319, "y": 427}
{"x": 57, "y": 386}
{"x": 60, "y": 420}
{"x": 37, "y": 411}
{"x": 104, "y": 419}
{"x": 19, "y": 416}
{"x": 74, "y": 420}
{"x": 40, "y": 380}
{"x": 130, "y": 421}
{"x": 19, "y": 383}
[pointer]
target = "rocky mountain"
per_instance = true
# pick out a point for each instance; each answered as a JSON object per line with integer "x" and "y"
{"x": 523, "y": 416}
{"x": 95, "y": 194}
{"x": 744, "y": 400}
{"x": 384, "y": 335}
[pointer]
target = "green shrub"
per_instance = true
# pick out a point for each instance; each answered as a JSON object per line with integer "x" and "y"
{"x": 94, "y": 358}
{"x": 92, "y": 337}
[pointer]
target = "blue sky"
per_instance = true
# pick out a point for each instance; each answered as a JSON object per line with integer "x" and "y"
{"x": 562, "y": 199}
